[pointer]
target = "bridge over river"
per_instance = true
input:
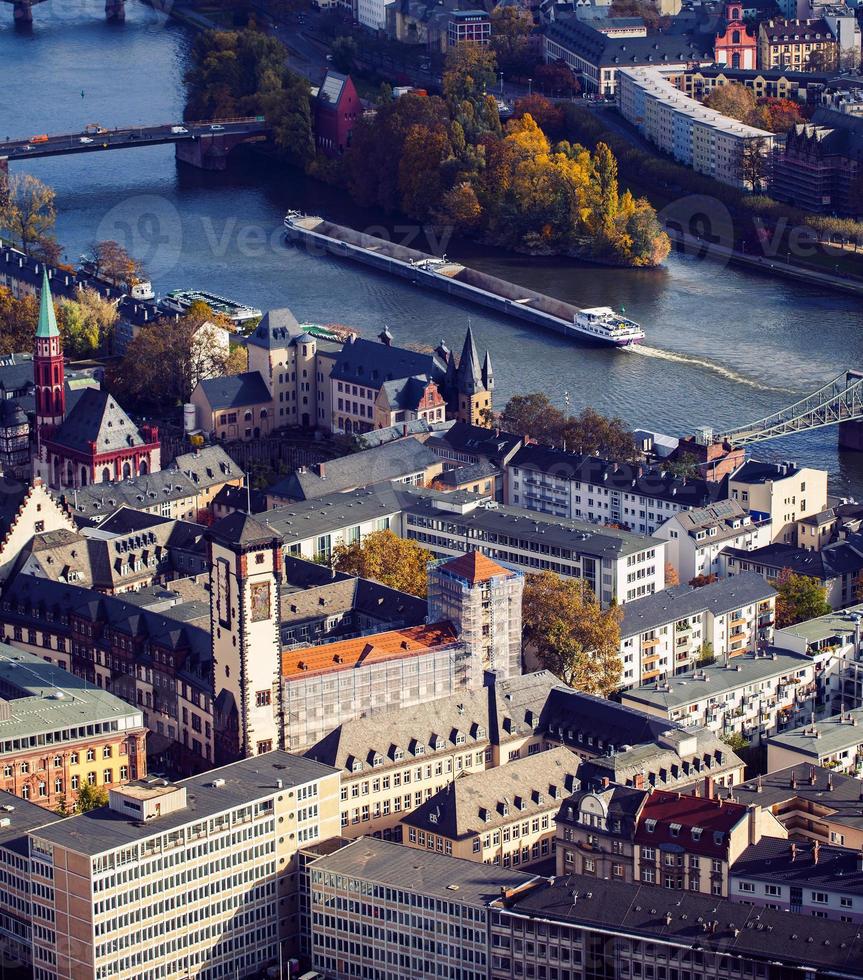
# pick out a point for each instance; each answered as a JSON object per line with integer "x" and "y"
{"x": 201, "y": 144}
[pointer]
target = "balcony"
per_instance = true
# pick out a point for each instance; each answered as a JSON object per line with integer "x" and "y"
{"x": 649, "y": 644}
{"x": 737, "y": 621}
{"x": 649, "y": 675}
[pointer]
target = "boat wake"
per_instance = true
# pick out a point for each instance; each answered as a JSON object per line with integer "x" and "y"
{"x": 667, "y": 355}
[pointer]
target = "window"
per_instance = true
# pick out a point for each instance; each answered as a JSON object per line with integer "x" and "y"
{"x": 76, "y": 782}
{"x": 106, "y": 752}
{"x": 91, "y": 778}
{"x": 91, "y": 755}
{"x": 124, "y": 773}
{"x": 58, "y": 762}
{"x": 746, "y": 886}
{"x": 108, "y": 776}
{"x": 265, "y": 746}
{"x": 263, "y": 698}
{"x": 820, "y": 897}
{"x": 73, "y": 759}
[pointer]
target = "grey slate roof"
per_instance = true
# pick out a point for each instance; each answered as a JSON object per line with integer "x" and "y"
{"x": 467, "y": 474}
{"x": 774, "y": 859}
{"x": 370, "y": 363}
{"x": 625, "y": 52}
{"x": 834, "y": 794}
{"x": 842, "y": 731}
{"x": 96, "y": 417}
{"x": 422, "y": 872}
{"x": 625, "y": 477}
{"x": 236, "y": 390}
{"x": 727, "y": 517}
{"x": 406, "y": 393}
{"x": 139, "y": 492}
{"x": 331, "y": 87}
{"x": 681, "y": 601}
{"x": 709, "y": 682}
{"x": 241, "y": 529}
{"x": 834, "y": 560}
{"x": 376, "y": 437}
{"x": 474, "y": 440}
{"x": 245, "y": 781}
{"x": 480, "y": 801}
{"x": 757, "y": 471}
{"x": 479, "y": 715}
{"x": 276, "y": 329}
{"x": 390, "y": 461}
{"x": 678, "y": 917}
{"x": 208, "y": 466}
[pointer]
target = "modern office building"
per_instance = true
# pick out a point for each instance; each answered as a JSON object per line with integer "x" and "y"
{"x": 193, "y": 879}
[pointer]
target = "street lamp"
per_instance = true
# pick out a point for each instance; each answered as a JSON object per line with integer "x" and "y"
{"x": 530, "y": 86}
{"x": 501, "y": 83}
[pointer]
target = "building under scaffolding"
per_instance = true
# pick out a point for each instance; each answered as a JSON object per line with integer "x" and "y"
{"x": 482, "y": 599}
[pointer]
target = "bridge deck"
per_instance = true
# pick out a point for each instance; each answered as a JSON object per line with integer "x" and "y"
{"x": 124, "y": 139}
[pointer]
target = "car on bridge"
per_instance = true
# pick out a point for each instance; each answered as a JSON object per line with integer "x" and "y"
{"x": 216, "y": 128}
{"x": 85, "y": 139}
{"x": 178, "y": 130}
{"x": 43, "y": 138}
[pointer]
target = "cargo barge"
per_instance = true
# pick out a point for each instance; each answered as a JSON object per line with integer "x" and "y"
{"x": 599, "y": 324}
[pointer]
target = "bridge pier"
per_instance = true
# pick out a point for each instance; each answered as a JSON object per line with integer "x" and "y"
{"x": 22, "y": 11}
{"x": 851, "y": 436}
{"x": 115, "y": 10}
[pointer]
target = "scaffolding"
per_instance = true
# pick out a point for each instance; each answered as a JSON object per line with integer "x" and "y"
{"x": 486, "y": 613}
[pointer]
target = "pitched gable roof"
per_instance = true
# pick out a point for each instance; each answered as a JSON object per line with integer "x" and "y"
{"x": 236, "y": 390}
{"x": 97, "y": 418}
{"x": 370, "y": 363}
{"x": 474, "y": 567}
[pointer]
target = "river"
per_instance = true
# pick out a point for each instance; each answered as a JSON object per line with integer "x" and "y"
{"x": 725, "y": 346}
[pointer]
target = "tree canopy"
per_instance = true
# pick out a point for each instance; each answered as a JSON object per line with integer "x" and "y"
{"x": 588, "y": 432}
{"x": 86, "y": 323}
{"x": 109, "y": 260}
{"x": 90, "y": 797}
{"x": 27, "y": 215}
{"x": 244, "y": 73}
{"x": 165, "y": 361}
{"x": 385, "y": 557}
{"x": 800, "y": 598}
{"x": 572, "y": 635}
{"x": 449, "y": 160}
{"x": 18, "y": 319}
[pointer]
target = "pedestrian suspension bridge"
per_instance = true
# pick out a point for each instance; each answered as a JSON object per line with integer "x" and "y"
{"x": 840, "y": 401}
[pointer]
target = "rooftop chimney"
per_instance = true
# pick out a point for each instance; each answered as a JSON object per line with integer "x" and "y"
{"x": 708, "y": 787}
{"x": 816, "y": 852}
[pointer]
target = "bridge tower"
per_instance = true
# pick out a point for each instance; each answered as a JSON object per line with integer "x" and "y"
{"x": 115, "y": 10}
{"x": 48, "y": 377}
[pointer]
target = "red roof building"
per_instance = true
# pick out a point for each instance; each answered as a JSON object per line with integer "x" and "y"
{"x": 690, "y": 842}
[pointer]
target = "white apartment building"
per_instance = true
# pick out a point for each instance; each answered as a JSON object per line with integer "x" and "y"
{"x": 836, "y": 743}
{"x": 667, "y": 633}
{"x": 783, "y": 492}
{"x": 697, "y": 537}
{"x": 619, "y": 566}
{"x": 587, "y": 488}
{"x": 186, "y": 880}
{"x": 754, "y": 695}
{"x": 373, "y": 13}
{"x": 693, "y": 134}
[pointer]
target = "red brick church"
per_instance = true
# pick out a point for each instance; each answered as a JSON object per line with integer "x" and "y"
{"x": 95, "y": 441}
{"x": 735, "y": 45}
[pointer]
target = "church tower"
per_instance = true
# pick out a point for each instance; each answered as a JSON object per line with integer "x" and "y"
{"x": 474, "y": 385}
{"x": 48, "y": 377}
{"x": 245, "y": 582}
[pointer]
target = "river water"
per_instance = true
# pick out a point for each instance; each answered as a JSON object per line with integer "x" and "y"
{"x": 724, "y": 346}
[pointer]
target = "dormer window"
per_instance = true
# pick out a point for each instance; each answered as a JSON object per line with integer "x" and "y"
{"x": 377, "y": 760}
{"x": 419, "y": 749}
{"x": 675, "y": 830}
{"x": 459, "y": 738}
{"x": 697, "y": 832}
{"x": 480, "y": 731}
{"x": 356, "y": 766}
{"x": 650, "y": 826}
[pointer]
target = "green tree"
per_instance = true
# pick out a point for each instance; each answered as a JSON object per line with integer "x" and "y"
{"x": 27, "y": 214}
{"x": 86, "y": 323}
{"x": 800, "y": 598}
{"x": 385, "y": 557}
{"x": 735, "y": 741}
{"x": 572, "y": 635}
{"x": 683, "y": 464}
{"x": 90, "y": 797}
{"x": 706, "y": 655}
{"x": 344, "y": 52}
{"x": 534, "y": 416}
{"x": 511, "y": 30}
{"x": 595, "y": 435}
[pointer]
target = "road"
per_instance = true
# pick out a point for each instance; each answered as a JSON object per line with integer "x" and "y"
{"x": 46, "y": 145}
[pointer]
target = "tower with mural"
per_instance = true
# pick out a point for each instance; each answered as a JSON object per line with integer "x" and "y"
{"x": 245, "y": 560}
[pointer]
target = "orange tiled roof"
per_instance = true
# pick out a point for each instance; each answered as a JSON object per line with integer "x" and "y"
{"x": 361, "y": 650}
{"x": 475, "y": 567}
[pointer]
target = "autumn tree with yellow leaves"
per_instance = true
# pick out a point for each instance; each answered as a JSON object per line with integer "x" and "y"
{"x": 571, "y": 634}
{"x": 385, "y": 557}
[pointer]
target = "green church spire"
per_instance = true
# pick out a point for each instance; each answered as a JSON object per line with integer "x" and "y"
{"x": 47, "y": 318}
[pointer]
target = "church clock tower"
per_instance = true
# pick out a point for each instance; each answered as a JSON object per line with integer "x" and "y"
{"x": 48, "y": 377}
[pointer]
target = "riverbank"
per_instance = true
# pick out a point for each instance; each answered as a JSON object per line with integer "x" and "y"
{"x": 701, "y": 247}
